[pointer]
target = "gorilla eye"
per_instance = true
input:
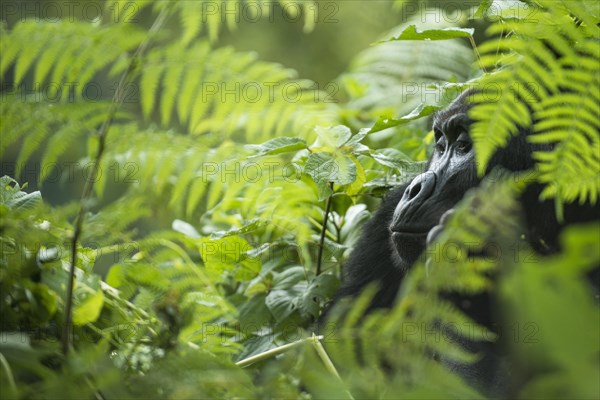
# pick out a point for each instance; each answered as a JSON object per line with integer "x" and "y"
{"x": 463, "y": 146}
{"x": 440, "y": 146}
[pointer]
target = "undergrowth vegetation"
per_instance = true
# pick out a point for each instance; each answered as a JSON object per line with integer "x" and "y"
{"x": 210, "y": 202}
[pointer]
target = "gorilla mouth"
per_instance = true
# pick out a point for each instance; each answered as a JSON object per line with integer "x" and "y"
{"x": 409, "y": 237}
{"x": 409, "y": 241}
{"x": 398, "y": 234}
{"x": 410, "y": 230}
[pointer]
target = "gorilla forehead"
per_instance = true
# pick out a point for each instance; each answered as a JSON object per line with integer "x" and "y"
{"x": 460, "y": 105}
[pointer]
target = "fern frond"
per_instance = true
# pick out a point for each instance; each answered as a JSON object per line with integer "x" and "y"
{"x": 549, "y": 68}
{"x": 392, "y": 77}
{"x": 182, "y": 173}
{"x": 229, "y": 188}
{"x": 116, "y": 228}
{"x": 33, "y": 122}
{"x": 69, "y": 49}
{"x": 197, "y": 16}
{"x": 223, "y": 92}
{"x": 287, "y": 214}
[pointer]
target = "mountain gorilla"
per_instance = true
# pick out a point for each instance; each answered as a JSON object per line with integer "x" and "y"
{"x": 412, "y": 215}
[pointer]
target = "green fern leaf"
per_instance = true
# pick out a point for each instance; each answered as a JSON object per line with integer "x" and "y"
{"x": 37, "y": 41}
{"x": 561, "y": 87}
{"x": 257, "y": 101}
{"x": 68, "y": 49}
{"x": 393, "y": 76}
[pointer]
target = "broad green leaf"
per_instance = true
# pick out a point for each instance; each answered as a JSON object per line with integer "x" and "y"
{"x": 232, "y": 254}
{"x": 185, "y": 228}
{"x": 319, "y": 291}
{"x": 411, "y": 33}
{"x": 89, "y": 309}
{"x": 333, "y": 137}
{"x": 116, "y": 276}
{"x": 14, "y": 198}
{"x": 86, "y": 258}
{"x": 289, "y": 277}
{"x": 356, "y": 139}
{"x": 382, "y": 159}
{"x": 332, "y": 249}
{"x": 505, "y": 9}
{"x": 254, "y": 313}
{"x": 250, "y": 226}
{"x": 256, "y": 345}
{"x": 421, "y": 111}
{"x": 360, "y": 180}
{"x": 331, "y": 167}
{"x": 42, "y": 301}
{"x": 278, "y": 145}
{"x": 282, "y": 303}
{"x": 324, "y": 190}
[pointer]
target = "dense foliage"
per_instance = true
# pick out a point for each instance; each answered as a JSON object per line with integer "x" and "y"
{"x": 222, "y": 193}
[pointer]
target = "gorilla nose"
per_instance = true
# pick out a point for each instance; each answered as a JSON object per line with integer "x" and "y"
{"x": 420, "y": 188}
{"x": 414, "y": 196}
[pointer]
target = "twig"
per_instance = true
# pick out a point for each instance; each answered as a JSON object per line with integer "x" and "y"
{"x": 315, "y": 340}
{"x": 323, "y": 230}
{"x": 273, "y": 352}
{"x": 9, "y": 375}
{"x": 477, "y": 53}
{"x": 327, "y": 361}
{"x": 89, "y": 184}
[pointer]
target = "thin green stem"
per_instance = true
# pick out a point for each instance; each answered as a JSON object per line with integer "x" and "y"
{"x": 477, "y": 53}
{"x": 118, "y": 99}
{"x": 324, "y": 230}
{"x": 273, "y": 352}
{"x": 316, "y": 340}
{"x": 9, "y": 375}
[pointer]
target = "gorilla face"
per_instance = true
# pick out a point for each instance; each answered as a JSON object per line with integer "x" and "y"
{"x": 450, "y": 173}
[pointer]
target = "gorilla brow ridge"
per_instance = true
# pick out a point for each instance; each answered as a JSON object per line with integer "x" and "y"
{"x": 458, "y": 106}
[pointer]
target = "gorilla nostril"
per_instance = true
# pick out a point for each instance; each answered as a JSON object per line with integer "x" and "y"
{"x": 414, "y": 190}
{"x": 421, "y": 187}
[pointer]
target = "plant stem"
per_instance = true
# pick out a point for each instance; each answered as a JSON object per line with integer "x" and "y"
{"x": 323, "y": 230}
{"x": 315, "y": 340}
{"x": 273, "y": 352}
{"x": 327, "y": 361}
{"x": 89, "y": 184}
{"x": 477, "y": 53}
{"x": 9, "y": 375}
